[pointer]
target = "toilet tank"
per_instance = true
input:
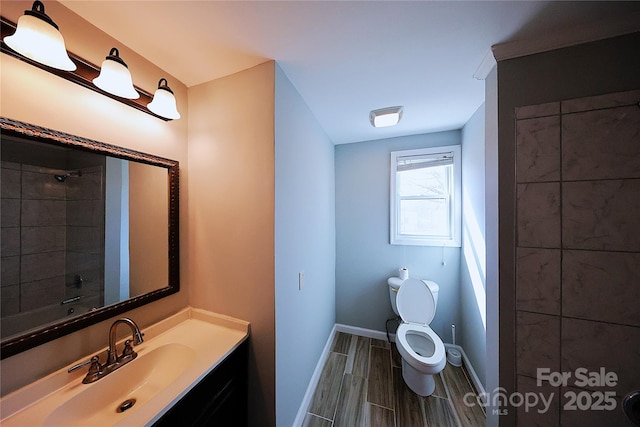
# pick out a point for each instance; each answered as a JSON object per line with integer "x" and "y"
{"x": 434, "y": 288}
{"x": 394, "y": 284}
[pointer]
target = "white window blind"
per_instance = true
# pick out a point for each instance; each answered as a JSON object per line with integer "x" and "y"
{"x": 405, "y": 163}
{"x": 425, "y": 203}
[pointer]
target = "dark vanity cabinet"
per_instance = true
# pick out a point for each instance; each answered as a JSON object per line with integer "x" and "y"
{"x": 220, "y": 399}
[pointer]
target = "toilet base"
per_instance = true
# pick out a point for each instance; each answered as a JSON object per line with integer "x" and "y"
{"x": 420, "y": 383}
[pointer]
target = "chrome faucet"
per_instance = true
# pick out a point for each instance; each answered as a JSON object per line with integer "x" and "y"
{"x": 113, "y": 362}
{"x": 112, "y": 356}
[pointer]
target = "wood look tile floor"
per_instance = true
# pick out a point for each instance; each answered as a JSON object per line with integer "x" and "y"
{"x": 361, "y": 385}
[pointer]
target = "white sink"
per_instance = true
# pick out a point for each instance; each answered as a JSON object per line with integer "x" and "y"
{"x": 141, "y": 381}
{"x": 175, "y": 355}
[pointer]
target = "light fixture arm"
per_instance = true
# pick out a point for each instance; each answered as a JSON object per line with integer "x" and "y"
{"x": 165, "y": 85}
{"x": 83, "y": 75}
{"x": 114, "y": 55}
{"x": 37, "y": 10}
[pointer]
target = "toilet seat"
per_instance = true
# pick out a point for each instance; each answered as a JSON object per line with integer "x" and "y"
{"x": 434, "y": 362}
{"x": 415, "y": 302}
{"x": 416, "y": 306}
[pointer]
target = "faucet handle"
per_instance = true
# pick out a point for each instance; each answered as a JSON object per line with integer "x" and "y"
{"x": 128, "y": 350}
{"x": 95, "y": 366}
{"x": 94, "y": 362}
{"x": 138, "y": 337}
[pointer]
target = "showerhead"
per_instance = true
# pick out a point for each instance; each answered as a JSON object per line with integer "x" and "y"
{"x": 63, "y": 178}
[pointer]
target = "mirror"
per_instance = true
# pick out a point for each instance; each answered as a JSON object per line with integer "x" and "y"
{"x": 89, "y": 231}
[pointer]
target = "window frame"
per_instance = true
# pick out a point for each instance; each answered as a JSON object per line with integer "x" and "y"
{"x": 454, "y": 199}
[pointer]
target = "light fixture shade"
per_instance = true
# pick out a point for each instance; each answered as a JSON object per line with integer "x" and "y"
{"x": 164, "y": 103}
{"x": 115, "y": 77}
{"x": 37, "y": 37}
{"x": 385, "y": 117}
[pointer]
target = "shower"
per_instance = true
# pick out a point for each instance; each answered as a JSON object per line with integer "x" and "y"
{"x": 63, "y": 178}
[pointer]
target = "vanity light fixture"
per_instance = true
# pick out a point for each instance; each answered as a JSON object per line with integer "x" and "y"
{"x": 36, "y": 41}
{"x": 115, "y": 77}
{"x": 38, "y": 38}
{"x": 384, "y": 117}
{"x": 164, "y": 103}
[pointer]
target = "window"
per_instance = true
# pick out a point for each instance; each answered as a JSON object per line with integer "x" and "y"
{"x": 425, "y": 197}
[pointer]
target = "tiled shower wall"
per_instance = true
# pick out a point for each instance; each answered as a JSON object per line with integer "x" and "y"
{"x": 85, "y": 207}
{"x": 33, "y": 238}
{"x": 578, "y": 250}
{"x": 51, "y": 231}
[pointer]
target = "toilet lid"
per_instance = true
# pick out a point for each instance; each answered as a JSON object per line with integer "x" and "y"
{"x": 415, "y": 302}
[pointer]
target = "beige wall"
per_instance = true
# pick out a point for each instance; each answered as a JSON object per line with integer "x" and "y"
{"x": 35, "y": 96}
{"x": 148, "y": 218}
{"x": 231, "y": 215}
{"x": 229, "y": 224}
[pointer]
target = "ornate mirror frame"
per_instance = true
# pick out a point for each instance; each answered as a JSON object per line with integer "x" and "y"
{"x": 15, "y": 345}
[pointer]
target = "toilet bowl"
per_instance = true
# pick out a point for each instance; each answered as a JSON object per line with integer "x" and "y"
{"x": 422, "y": 351}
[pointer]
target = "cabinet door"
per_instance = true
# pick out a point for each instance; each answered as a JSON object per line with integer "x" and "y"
{"x": 220, "y": 399}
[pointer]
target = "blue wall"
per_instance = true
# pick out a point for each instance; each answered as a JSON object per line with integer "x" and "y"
{"x": 364, "y": 257}
{"x": 472, "y": 329}
{"x": 304, "y": 242}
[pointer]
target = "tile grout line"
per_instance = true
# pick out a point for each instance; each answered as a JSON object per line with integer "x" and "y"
{"x": 513, "y": 312}
{"x": 393, "y": 386}
{"x": 561, "y": 248}
{"x": 368, "y": 371}
{"x": 344, "y": 373}
{"x": 435, "y": 397}
{"x": 391, "y": 372}
{"x": 423, "y": 410}
{"x": 366, "y": 398}
{"x": 452, "y": 407}
{"x": 351, "y": 355}
{"x": 335, "y": 411}
{"x": 320, "y": 416}
{"x": 371, "y": 345}
{"x": 465, "y": 372}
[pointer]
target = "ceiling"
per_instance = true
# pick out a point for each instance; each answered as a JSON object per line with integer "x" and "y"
{"x": 345, "y": 58}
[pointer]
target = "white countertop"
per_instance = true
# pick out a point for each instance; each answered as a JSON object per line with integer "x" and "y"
{"x": 212, "y": 338}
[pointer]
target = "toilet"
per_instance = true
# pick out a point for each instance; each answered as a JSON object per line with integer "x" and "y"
{"x": 422, "y": 350}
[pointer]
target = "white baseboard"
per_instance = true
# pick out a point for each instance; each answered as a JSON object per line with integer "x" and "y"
{"x": 313, "y": 382}
{"x": 369, "y": 333}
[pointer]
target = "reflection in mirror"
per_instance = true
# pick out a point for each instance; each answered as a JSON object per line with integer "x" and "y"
{"x": 84, "y": 233}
